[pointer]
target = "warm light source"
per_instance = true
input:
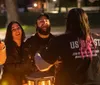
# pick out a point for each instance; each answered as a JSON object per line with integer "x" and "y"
{"x": 40, "y": 78}
{"x": 45, "y": 82}
{"x": 54, "y": 0}
{"x": 35, "y": 4}
{"x": 30, "y": 82}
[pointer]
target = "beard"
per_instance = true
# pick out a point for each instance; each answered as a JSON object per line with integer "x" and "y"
{"x": 41, "y": 31}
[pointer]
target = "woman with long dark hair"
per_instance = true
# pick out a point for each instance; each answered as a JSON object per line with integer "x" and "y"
{"x": 13, "y": 40}
{"x": 77, "y": 48}
{"x": 78, "y": 24}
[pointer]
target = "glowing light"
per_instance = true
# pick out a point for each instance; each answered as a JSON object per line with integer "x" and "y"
{"x": 30, "y": 82}
{"x": 35, "y": 4}
{"x": 43, "y": 82}
{"x": 4, "y": 83}
{"x": 49, "y": 82}
{"x": 54, "y": 0}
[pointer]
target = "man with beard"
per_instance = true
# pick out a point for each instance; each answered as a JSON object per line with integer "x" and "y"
{"x": 38, "y": 41}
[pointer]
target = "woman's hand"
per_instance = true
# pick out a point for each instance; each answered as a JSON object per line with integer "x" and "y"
{"x": 2, "y": 52}
{"x": 2, "y": 45}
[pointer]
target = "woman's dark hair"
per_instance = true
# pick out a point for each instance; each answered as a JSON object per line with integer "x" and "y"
{"x": 9, "y": 37}
{"x": 77, "y": 23}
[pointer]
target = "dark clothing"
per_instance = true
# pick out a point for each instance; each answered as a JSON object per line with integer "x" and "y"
{"x": 94, "y": 68}
{"x": 13, "y": 53}
{"x": 13, "y": 73}
{"x": 73, "y": 68}
{"x": 33, "y": 45}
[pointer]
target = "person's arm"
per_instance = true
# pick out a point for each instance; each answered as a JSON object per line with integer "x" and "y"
{"x": 47, "y": 56}
{"x": 41, "y": 64}
{"x": 26, "y": 49}
{"x": 2, "y": 53}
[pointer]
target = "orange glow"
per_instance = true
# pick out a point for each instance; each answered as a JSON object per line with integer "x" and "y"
{"x": 44, "y": 82}
{"x": 30, "y": 82}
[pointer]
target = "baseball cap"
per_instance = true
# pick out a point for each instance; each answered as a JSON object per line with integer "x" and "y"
{"x": 43, "y": 14}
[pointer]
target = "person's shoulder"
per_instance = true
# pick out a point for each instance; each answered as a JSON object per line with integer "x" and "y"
{"x": 60, "y": 38}
{"x": 28, "y": 41}
{"x": 30, "y": 38}
{"x": 52, "y": 35}
{"x": 65, "y": 35}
